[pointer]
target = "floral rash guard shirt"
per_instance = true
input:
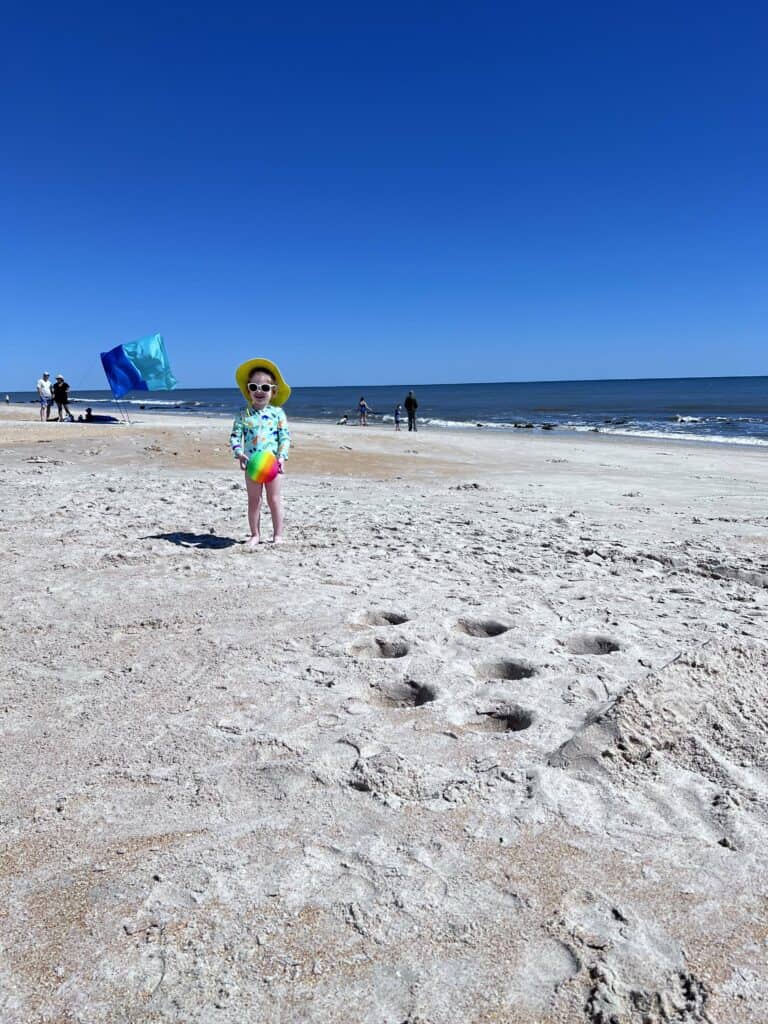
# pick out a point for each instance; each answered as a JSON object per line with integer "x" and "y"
{"x": 265, "y": 431}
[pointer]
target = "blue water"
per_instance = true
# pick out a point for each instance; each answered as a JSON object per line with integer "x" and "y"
{"x": 716, "y": 409}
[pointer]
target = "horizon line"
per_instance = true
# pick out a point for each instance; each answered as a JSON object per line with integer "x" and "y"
{"x": 433, "y": 384}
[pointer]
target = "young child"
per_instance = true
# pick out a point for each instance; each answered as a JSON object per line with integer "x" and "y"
{"x": 398, "y": 415}
{"x": 262, "y": 427}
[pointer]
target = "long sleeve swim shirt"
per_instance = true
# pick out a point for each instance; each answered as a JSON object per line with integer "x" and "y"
{"x": 265, "y": 431}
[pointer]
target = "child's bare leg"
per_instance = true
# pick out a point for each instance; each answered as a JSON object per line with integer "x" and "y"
{"x": 254, "y": 510}
{"x": 275, "y": 502}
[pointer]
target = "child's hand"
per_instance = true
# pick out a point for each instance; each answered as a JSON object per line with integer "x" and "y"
{"x": 280, "y": 465}
{"x": 243, "y": 461}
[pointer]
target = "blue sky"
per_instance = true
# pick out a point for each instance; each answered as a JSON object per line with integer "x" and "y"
{"x": 413, "y": 193}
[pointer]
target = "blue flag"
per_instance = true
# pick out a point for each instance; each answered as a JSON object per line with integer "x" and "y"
{"x": 138, "y": 366}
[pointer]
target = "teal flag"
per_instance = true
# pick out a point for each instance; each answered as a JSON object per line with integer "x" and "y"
{"x": 138, "y": 366}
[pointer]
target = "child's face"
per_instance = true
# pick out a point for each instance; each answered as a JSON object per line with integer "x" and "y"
{"x": 259, "y": 398}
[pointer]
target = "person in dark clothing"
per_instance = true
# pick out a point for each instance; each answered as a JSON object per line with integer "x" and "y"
{"x": 362, "y": 411}
{"x": 61, "y": 398}
{"x": 411, "y": 405}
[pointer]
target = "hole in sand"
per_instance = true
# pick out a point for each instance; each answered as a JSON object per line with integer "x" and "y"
{"x": 592, "y": 643}
{"x": 510, "y": 718}
{"x": 389, "y": 648}
{"x": 507, "y": 669}
{"x": 377, "y": 648}
{"x": 481, "y": 627}
{"x": 405, "y": 694}
{"x": 377, "y": 618}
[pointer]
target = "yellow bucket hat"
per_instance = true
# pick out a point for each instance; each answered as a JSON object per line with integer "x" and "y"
{"x": 243, "y": 372}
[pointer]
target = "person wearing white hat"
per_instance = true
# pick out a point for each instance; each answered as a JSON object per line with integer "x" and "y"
{"x": 61, "y": 398}
{"x": 45, "y": 395}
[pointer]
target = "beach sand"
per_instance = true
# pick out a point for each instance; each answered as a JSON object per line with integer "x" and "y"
{"x": 483, "y": 741}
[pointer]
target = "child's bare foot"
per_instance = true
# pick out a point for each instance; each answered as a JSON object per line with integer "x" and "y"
{"x": 254, "y": 541}
{"x": 277, "y": 540}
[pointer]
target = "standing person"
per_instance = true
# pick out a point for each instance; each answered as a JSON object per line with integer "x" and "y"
{"x": 362, "y": 410}
{"x": 61, "y": 398}
{"x": 262, "y": 427}
{"x": 411, "y": 405}
{"x": 45, "y": 395}
{"x": 398, "y": 415}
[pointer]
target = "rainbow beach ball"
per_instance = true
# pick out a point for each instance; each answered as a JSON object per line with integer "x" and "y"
{"x": 262, "y": 467}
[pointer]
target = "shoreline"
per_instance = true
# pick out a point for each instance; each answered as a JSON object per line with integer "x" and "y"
{"x": 13, "y": 415}
{"x": 694, "y": 413}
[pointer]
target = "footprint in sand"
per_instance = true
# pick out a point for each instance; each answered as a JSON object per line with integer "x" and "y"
{"x": 481, "y": 627}
{"x": 592, "y": 643}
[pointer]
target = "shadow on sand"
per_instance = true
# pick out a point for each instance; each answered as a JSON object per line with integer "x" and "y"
{"x": 194, "y": 540}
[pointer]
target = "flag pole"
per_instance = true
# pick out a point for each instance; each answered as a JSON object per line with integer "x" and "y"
{"x": 120, "y": 405}
{"x": 124, "y": 410}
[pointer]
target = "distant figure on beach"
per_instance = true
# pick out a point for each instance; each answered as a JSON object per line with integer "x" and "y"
{"x": 398, "y": 415}
{"x": 45, "y": 394}
{"x": 411, "y": 405}
{"x": 61, "y": 398}
{"x": 342, "y": 420}
{"x": 7, "y": 399}
{"x": 262, "y": 427}
{"x": 90, "y": 418}
{"x": 362, "y": 410}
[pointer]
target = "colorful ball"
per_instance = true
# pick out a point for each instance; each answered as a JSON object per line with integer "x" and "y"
{"x": 262, "y": 467}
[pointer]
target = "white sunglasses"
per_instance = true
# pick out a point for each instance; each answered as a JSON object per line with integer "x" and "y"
{"x": 256, "y": 388}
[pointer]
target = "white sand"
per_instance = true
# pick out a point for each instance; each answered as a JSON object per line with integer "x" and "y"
{"x": 451, "y": 754}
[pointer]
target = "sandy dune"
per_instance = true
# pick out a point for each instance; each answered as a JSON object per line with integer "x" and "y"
{"x": 484, "y": 741}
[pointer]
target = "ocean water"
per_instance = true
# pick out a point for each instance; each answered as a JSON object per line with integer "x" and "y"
{"x": 731, "y": 410}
